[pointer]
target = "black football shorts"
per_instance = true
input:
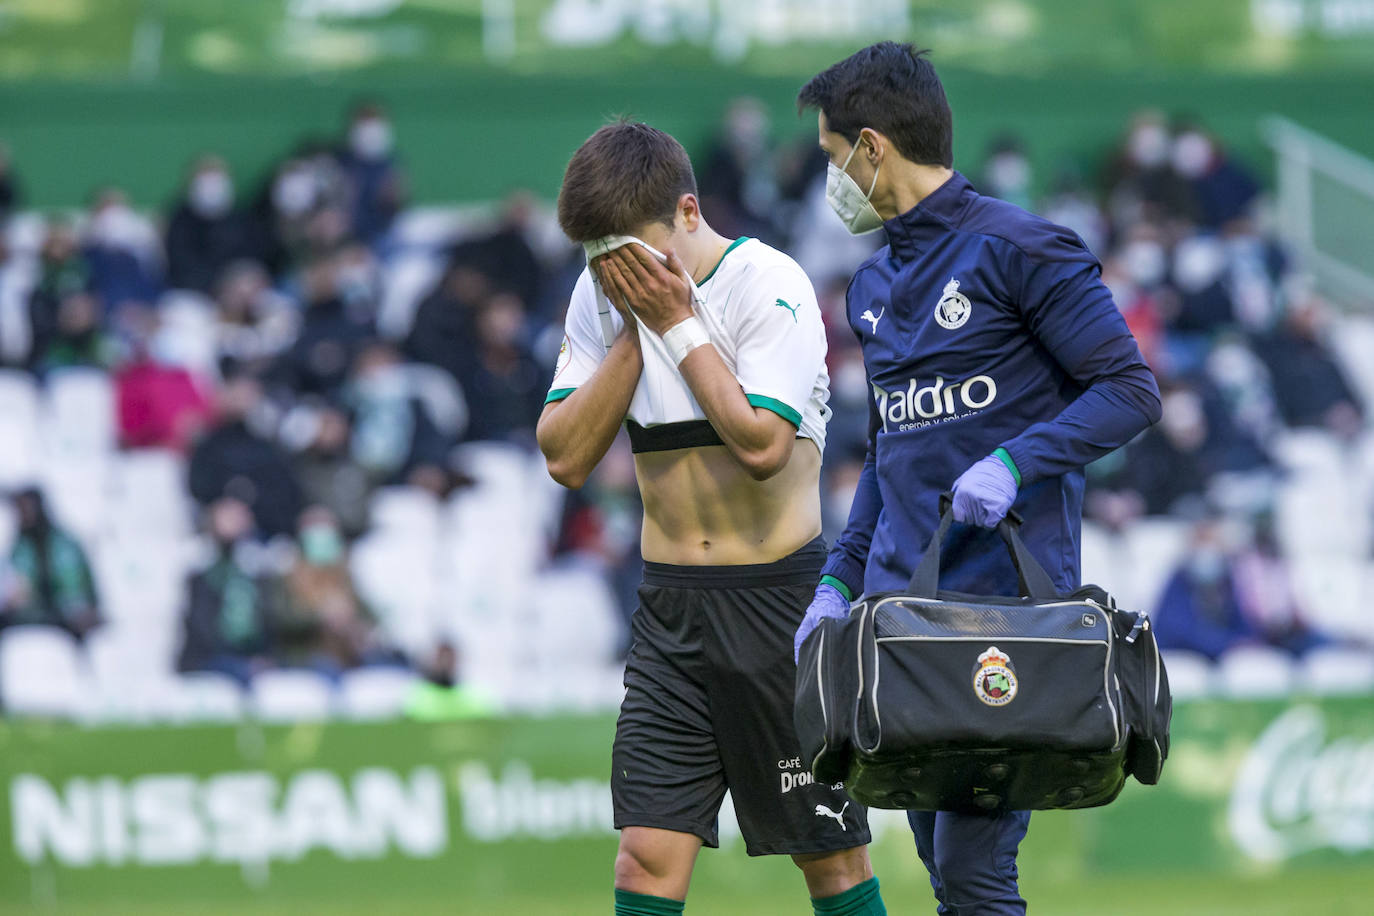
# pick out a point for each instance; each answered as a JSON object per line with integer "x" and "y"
{"x": 709, "y": 684}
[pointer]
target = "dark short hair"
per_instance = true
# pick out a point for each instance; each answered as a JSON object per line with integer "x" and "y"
{"x": 892, "y": 89}
{"x": 625, "y": 175}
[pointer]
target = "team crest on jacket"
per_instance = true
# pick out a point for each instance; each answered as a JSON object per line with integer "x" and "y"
{"x": 953, "y": 309}
{"x": 994, "y": 679}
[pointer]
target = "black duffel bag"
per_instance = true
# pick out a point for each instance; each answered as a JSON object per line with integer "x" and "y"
{"x": 941, "y": 701}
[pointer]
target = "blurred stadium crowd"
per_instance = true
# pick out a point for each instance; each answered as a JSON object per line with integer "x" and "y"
{"x": 271, "y": 449}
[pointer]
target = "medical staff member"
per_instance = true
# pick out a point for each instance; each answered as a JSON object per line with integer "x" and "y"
{"x": 998, "y": 366}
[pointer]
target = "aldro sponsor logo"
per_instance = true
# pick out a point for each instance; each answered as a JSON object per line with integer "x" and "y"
{"x": 918, "y": 405}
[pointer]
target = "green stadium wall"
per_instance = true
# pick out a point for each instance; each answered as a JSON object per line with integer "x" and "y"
{"x": 475, "y": 136}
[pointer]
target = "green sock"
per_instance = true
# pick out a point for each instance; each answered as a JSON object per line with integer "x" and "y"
{"x": 860, "y": 900}
{"x": 628, "y": 903}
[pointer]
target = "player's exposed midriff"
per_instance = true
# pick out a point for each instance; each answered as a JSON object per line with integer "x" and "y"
{"x": 701, "y": 508}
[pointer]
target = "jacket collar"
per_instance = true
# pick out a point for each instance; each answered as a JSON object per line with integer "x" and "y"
{"x": 912, "y": 232}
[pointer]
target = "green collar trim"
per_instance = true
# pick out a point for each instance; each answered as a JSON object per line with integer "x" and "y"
{"x": 733, "y": 245}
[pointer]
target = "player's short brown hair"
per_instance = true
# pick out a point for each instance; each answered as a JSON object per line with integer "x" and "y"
{"x": 625, "y": 175}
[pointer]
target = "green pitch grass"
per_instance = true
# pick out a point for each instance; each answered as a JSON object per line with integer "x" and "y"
{"x": 1309, "y": 892}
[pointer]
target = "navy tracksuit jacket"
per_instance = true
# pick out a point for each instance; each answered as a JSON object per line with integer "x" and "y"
{"x": 982, "y": 326}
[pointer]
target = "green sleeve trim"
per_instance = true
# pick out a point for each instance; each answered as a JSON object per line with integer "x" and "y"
{"x": 1011, "y": 465}
{"x": 558, "y": 394}
{"x": 838, "y": 586}
{"x": 733, "y": 245}
{"x": 778, "y": 407}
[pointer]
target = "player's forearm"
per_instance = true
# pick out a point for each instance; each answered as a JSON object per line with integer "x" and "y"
{"x": 575, "y": 433}
{"x": 759, "y": 439}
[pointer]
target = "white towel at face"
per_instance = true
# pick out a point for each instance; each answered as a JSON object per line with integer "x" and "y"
{"x": 761, "y": 314}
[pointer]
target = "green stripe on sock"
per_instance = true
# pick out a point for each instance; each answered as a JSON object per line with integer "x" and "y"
{"x": 860, "y": 900}
{"x": 628, "y": 903}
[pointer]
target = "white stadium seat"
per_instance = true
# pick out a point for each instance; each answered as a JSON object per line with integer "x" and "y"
{"x": 79, "y": 418}
{"x": 1250, "y": 672}
{"x": 1190, "y": 675}
{"x": 375, "y": 693}
{"x": 202, "y": 696}
{"x": 19, "y": 425}
{"x": 291, "y": 695}
{"x": 42, "y": 673}
{"x": 1337, "y": 670}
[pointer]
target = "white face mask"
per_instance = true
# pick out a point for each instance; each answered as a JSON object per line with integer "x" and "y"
{"x": 212, "y": 193}
{"x": 848, "y": 200}
{"x": 371, "y": 138}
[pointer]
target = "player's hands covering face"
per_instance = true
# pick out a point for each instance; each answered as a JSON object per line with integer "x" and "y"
{"x": 657, "y": 294}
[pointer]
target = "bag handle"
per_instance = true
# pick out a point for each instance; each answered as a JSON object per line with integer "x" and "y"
{"x": 1032, "y": 579}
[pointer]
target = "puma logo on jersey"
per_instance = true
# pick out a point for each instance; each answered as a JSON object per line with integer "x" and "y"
{"x": 823, "y": 811}
{"x": 873, "y": 319}
{"x": 790, "y": 308}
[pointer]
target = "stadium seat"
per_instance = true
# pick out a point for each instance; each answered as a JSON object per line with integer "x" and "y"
{"x": 19, "y": 429}
{"x": 79, "y": 417}
{"x": 148, "y": 494}
{"x": 77, "y": 491}
{"x": 1337, "y": 670}
{"x": 394, "y": 570}
{"x": 42, "y": 673}
{"x": 202, "y": 696}
{"x": 1190, "y": 675}
{"x": 375, "y": 693}
{"x": 411, "y": 510}
{"x": 291, "y": 695}
{"x": 1252, "y": 672}
{"x": 1153, "y": 549}
{"x": 187, "y": 335}
{"x": 406, "y": 280}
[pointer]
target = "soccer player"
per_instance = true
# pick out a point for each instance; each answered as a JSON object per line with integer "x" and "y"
{"x": 712, "y": 352}
{"x": 998, "y": 365}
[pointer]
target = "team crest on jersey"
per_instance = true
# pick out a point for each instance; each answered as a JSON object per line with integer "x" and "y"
{"x": 953, "y": 309}
{"x": 994, "y": 679}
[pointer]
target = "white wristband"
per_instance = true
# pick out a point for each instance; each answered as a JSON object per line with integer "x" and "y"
{"x": 684, "y": 337}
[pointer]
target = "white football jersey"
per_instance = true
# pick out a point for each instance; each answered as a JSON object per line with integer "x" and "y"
{"x": 761, "y": 313}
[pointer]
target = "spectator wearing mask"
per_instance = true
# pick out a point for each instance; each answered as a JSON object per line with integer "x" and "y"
{"x": 738, "y": 187}
{"x": 62, "y": 272}
{"x": 255, "y": 323}
{"x": 1267, "y": 598}
{"x": 337, "y": 324}
{"x": 373, "y": 175}
{"x": 51, "y": 581}
{"x": 1221, "y": 188}
{"x": 1309, "y": 386}
{"x": 123, "y": 251}
{"x": 504, "y": 386}
{"x": 230, "y": 615}
{"x": 1007, "y": 171}
{"x": 207, "y": 231}
{"x": 157, "y": 405}
{"x": 234, "y": 459}
{"x": 329, "y": 476}
{"x": 392, "y": 436}
{"x": 444, "y": 331}
{"x": 1200, "y": 609}
{"x": 77, "y": 338}
{"x": 326, "y": 625}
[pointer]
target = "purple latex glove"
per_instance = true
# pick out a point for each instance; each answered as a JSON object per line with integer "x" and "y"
{"x": 984, "y": 493}
{"x": 827, "y": 603}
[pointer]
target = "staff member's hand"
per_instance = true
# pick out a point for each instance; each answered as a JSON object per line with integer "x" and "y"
{"x": 658, "y": 294}
{"x": 827, "y": 603}
{"x": 984, "y": 493}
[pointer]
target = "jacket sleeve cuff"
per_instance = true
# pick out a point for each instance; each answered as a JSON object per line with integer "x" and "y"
{"x": 838, "y": 586}
{"x": 1020, "y": 464}
{"x": 846, "y": 571}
